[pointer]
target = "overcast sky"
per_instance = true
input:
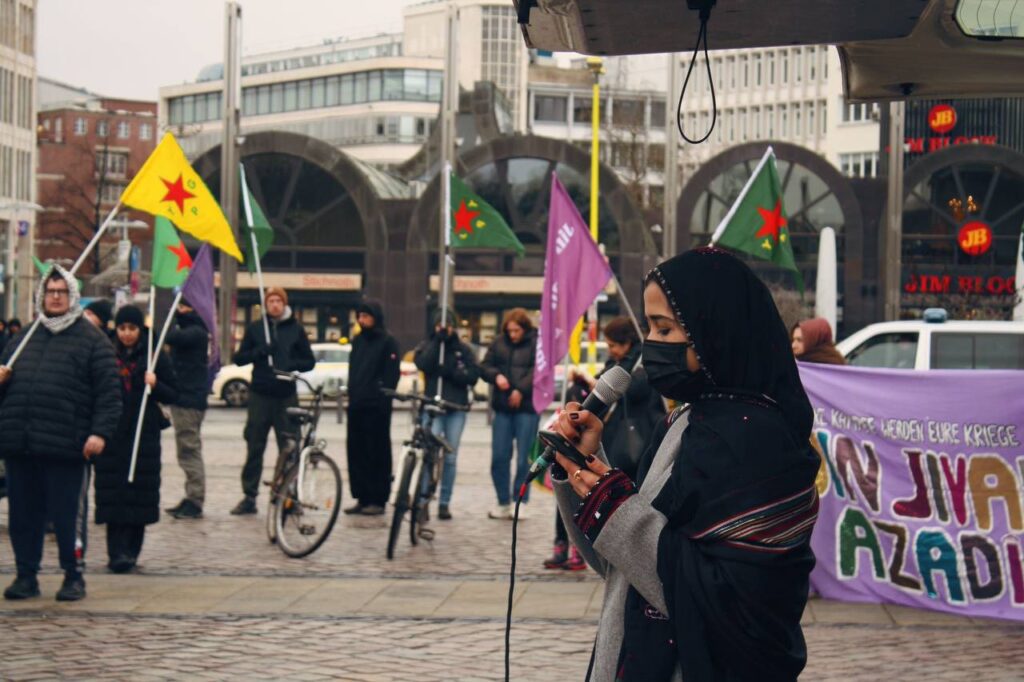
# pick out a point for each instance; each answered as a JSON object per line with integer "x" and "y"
{"x": 129, "y": 48}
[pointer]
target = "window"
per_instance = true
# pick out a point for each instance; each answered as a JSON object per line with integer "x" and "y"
{"x": 785, "y": 67}
{"x": 628, "y": 112}
{"x": 7, "y": 22}
{"x": 360, "y": 91}
{"x": 111, "y": 192}
{"x": 771, "y": 68}
{"x": 859, "y": 112}
{"x": 757, "y": 69}
{"x": 26, "y": 29}
{"x": 742, "y": 115}
{"x": 319, "y": 97}
{"x": 657, "y": 114}
{"x": 291, "y": 96}
{"x": 977, "y": 351}
{"x": 755, "y": 116}
{"x": 859, "y": 165}
{"x": 112, "y": 164}
{"x": 798, "y": 130}
{"x": 277, "y": 97}
{"x": 550, "y": 108}
{"x": 58, "y": 130}
{"x": 124, "y": 130}
{"x": 332, "y": 91}
{"x": 249, "y": 107}
{"x": 730, "y": 114}
{"x": 769, "y": 116}
{"x": 823, "y": 106}
{"x": 730, "y": 65}
{"x": 263, "y": 100}
{"x": 145, "y": 131}
{"x": 811, "y": 130}
{"x": 783, "y": 121}
{"x": 305, "y": 94}
{"x": 582, "y": 111}
{"x": 895, "y": 351}
{"x": 103, "y": 128}
{"x": 798, "y": 63}
{"x": 82, "y": 126}
{"x": 745, "y": 68}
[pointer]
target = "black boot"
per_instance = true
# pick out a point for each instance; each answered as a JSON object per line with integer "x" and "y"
{"x": 73, "y": 589}
{"x": 246, "y": 506}
{"x": 23, "y": 587}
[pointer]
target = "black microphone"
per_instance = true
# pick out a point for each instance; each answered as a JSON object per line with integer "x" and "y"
{"x": 609, "y": 389}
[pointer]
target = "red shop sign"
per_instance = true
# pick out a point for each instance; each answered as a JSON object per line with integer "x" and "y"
{"x": 975, "y": 238}
{"x": 942, "y": 118}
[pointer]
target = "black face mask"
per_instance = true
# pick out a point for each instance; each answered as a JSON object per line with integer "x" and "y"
{"x": 665, "y": 364}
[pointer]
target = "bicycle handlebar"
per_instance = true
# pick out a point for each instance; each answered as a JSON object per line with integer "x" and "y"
{"x": 419, "y": 397}
{"x": 294, "y": 377}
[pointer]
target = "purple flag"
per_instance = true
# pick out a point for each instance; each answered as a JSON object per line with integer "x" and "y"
{"x": 575, "y": 272}
{"x": 198, "y": 291}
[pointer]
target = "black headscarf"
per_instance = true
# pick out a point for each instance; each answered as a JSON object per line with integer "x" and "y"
{"x": 735, "y": 557}
{"x": 735, "y": 327}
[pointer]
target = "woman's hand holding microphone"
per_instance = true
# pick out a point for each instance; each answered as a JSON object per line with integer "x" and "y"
{"x": 583, "y": 429}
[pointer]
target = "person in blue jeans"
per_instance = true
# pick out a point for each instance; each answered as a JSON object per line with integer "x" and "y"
{"x": 453, "y": 380}
{"x": 508, "y": 366}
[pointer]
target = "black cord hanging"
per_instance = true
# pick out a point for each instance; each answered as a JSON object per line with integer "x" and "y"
{"x": 702, "y": 35}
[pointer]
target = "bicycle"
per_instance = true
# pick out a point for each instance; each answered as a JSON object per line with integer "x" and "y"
{"x": 425, "y": 448}
{"x": 305, "y": 491}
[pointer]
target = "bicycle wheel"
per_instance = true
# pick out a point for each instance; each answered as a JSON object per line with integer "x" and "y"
{"x": 303, "y": 526}
{"x": 401, "y": 500}
{"x": 272, "y": 511}
{"x": 424, "y": 494}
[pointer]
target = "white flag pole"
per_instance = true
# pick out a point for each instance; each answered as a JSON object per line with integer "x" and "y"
{"x": 254, "y": 253}
{"x": 74, "y": 268}
{"x": 445, "y": 265}
{"x": 743, "y": 193}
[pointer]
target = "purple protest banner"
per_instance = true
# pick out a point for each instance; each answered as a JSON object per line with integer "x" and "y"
{"x": 575, "y": 272}
{"x": 921, "y": 497}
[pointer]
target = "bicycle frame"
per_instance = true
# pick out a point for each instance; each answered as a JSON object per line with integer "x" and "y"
{"x": 306, "y": 443}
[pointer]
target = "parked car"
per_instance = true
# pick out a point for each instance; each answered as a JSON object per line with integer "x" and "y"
{"x": 232, "y": 382}
{"x": 937, "y": 343}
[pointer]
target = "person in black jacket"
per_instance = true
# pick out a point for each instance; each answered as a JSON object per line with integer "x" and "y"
{"x": 509, "y": 366}
{"x": 190, "y": 352}
{"x": 127, "y": 508}
{"x": 270, "y": 397}
{"x": 373, "y": 365}
{"x": 457, "y": 376}
{"x": 59, "y": 406}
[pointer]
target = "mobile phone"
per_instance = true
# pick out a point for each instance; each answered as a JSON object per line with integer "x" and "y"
{"x": 563, "y": 446}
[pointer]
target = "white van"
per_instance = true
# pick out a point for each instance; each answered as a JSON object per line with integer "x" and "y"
{"x": 936, "y": 343}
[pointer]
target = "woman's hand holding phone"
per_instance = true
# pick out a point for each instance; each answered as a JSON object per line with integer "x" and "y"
{"x": 583, "y": 429}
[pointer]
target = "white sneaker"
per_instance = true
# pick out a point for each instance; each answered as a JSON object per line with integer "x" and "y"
{"x": 502, "y": 511}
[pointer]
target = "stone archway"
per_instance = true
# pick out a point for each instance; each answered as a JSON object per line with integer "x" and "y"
{"x": 324, "y": 206}
{"x": 816, "y": 195}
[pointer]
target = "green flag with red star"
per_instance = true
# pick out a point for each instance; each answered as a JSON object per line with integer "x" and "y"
{"x": 757, "y": 223}
{"x": 475, "y": 223}
{"x": 171, "y": 262}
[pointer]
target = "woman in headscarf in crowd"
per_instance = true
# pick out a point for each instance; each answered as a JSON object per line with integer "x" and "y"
{"x": 706, "y": 552}
{"x": 127, "y": 508}
{"x": 812, "y": 342}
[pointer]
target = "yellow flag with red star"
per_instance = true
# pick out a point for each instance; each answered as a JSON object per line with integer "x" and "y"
{"x": 168, "y": 186}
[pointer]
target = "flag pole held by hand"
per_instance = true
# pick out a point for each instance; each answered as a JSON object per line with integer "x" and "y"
{"x": 74, "y": 268}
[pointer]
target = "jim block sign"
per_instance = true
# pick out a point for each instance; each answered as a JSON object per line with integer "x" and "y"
{"x": 922, "y": 489}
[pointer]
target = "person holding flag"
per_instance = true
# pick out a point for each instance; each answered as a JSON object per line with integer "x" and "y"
{"x": 127, "y": 507}
{"x": 289, "y": 351}
{"x": 59, "y": 408}
{"x": 189, "y": 340}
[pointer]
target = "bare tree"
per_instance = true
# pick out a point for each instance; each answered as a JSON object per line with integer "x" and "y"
{"x": 76, "y": 202}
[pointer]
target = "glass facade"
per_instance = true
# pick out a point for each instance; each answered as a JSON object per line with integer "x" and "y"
{"x": 381, "y": 85}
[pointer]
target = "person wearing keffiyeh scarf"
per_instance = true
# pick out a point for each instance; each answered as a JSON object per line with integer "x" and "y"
{"x": 59, "y": 407}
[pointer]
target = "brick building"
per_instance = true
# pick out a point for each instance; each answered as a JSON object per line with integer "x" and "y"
{"x": 89, "y": 149}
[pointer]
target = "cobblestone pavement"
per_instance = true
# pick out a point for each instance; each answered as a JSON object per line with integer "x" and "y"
{"x": 110, "y": 636}
{"x": 375, "y": 649}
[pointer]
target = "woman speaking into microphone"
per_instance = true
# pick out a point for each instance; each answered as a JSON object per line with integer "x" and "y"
{"x": 706, "y": 553}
